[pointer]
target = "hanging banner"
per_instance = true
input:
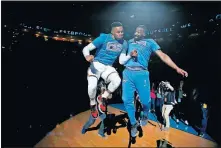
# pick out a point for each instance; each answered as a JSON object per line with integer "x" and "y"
{"x": 73, "y": 33}
{"x": 159, "y": 30}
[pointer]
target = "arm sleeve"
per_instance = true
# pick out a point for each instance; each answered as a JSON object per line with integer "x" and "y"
{"x": 123, "y": 57}
{"x": 87, "y": 49}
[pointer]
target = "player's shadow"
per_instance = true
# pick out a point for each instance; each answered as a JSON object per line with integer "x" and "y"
{"x": 110, "y": 123}
{"x": 94, "y": 128}
{"x": 163, "y": 144}
{"x": 121, "y": 119}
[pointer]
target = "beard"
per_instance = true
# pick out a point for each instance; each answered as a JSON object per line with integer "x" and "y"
{"x": 137, "y": 38}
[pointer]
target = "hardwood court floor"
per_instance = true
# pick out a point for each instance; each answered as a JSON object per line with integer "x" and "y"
{"x": 68, "y": 134}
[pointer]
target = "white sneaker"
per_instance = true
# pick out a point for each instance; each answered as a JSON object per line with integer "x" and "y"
{"x": 186, "y": 122}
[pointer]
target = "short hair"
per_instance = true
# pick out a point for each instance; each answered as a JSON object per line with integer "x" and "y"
{"x": 116, "y": 24}
{"x": 143, "y": 27}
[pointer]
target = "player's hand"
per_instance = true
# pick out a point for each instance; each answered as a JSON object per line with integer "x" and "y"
{"x": 133, "y": 53}
{"x": 182, "y": 72}
{"x": 90, "y": 58}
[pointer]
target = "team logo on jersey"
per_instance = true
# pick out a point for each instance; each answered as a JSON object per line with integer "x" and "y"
{"x": 113, "y": 46}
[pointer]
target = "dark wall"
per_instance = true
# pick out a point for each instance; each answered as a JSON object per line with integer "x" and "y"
{"x": 42, "y": 85}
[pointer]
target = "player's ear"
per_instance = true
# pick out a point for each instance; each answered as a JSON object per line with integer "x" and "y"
{"x": 112, "y": 31}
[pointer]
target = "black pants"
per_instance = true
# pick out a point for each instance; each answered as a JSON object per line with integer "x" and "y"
{"x": 176, "y": 111}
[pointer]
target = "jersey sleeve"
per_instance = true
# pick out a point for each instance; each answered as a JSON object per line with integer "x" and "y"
{"x": 154, "y": 45}
{"x": 99, "y": 40}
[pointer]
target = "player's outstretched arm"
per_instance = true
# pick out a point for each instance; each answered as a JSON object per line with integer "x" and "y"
{"x": 166, "y": 59}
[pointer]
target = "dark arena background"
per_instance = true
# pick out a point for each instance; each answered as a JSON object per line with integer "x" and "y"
{"x": 45, "y": 101}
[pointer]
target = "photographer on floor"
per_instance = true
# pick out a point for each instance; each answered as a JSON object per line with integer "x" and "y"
{"x": 169, "y": 102}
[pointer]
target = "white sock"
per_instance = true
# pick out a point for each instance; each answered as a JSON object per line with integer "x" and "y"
{"x": 92, "y": 102}
{"x": 105, "y": 94}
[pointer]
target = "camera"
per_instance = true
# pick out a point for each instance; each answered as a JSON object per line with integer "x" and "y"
{"x": 165, "y": 86}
